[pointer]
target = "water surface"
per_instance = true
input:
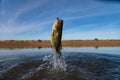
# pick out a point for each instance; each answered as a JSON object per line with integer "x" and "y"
{"x": 83, "y": 63}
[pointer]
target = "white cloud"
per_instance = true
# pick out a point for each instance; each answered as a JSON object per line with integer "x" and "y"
{"x": 10, "y": 29}
{"x": 91, "y": 9}
{"x": 102, "y": 32}
{"x": 24, "y": 8}
{"x": 106, "y": 34}
{"x": 13, "y": 31}
{"x": 90, "y": 15}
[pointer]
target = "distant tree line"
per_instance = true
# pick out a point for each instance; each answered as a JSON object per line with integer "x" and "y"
{"x": 96, "y": 39}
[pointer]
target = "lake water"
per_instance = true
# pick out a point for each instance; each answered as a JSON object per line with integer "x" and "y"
{"x": 83, "y": 63}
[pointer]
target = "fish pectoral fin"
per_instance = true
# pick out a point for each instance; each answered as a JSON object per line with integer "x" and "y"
{"x": 60, "y": 48}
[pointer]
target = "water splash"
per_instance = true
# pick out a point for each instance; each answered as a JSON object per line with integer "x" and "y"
{"x": 56, "y": 61}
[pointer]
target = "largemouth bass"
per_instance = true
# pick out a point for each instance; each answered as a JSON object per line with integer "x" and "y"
{"x": 56, "y": 35}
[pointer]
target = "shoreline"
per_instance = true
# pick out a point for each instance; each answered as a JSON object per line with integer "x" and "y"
{"x": 65, "y": 43}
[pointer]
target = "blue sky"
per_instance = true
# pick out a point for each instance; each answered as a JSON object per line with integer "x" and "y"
{"x": 83, "y": 19}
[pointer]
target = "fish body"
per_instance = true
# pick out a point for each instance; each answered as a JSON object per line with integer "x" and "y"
{"x": 56, "y": 35}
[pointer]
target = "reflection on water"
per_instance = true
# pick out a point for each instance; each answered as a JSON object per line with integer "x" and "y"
{"x": 101, "y": 50}
{"x": 96, "y": 47}
{"x": 83, "y": 63}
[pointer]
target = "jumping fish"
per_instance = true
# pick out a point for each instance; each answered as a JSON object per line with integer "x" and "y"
{"x": 56, "y": 35}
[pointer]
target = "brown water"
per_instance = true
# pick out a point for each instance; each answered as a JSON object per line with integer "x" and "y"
{"x": 83, "y": 63}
